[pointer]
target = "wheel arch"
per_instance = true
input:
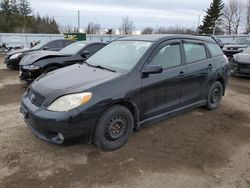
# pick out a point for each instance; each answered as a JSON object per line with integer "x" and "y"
{"x": 222, "y": 81}
{"x": 133, "y": 109}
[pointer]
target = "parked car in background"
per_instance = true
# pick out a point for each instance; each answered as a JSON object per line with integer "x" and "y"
{"x": 239, "y": 45}
{"x": 36, "y": 63}
{"x": 14, "y": 57}
{"x": 125, "y": 85}
{"x": 241, "y": 63}
{"x": 216, "y": 39}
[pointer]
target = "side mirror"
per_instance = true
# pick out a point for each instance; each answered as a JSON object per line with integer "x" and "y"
{"x": 45, "y": 48}
{"x": 85, "y": 54}
{"x": 152, "y": 69}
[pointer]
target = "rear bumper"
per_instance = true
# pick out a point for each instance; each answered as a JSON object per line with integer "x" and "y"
{"x": 56, "y": 127}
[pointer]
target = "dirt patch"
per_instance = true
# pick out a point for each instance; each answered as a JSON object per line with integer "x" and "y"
{"x": 11, "y": 93}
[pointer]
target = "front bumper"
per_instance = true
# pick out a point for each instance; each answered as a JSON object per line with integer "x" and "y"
{"x": 56, "y": 127}
{"x": 231, "y": 53}
{"x": 28, "y": 75}
{"x": 241, "y": 69}
{"x": 12, "y": 63}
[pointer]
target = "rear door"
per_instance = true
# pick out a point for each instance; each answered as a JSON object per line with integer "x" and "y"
{"x": 199, "y": 67}
{"x": 161, "y": 92}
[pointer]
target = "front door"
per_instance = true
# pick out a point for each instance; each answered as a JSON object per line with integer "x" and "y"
{"x": 161, "y": 92}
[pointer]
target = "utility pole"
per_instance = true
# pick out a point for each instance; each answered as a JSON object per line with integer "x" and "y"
{"x": 78, "y": 20}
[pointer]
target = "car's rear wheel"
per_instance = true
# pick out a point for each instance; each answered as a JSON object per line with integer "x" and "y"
{"x": 113, "y": 128}
{"x": 214, "y": 96}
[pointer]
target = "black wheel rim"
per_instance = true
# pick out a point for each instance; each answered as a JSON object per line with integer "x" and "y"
{"x": 115, "y": 128}
{"x": 215, "y": 96}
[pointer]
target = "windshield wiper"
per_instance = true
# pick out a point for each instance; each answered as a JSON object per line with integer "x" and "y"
{"x": 99, "y": 66}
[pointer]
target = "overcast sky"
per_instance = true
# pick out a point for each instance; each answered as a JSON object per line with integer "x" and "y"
{"x": 108, "y": 13}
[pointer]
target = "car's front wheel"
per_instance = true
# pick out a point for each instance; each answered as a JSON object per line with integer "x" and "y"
{"x": 214, "y": 96}
{"x": 113, "y": 128}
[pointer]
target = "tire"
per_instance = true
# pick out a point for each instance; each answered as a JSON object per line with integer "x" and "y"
{"x": 113, "y": 128}
{"x": 214, "y": 96}
{"x": 49, "y": 69}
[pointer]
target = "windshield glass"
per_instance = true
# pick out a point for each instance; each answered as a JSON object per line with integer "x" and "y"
{"x": 242, "y": 40}
{"x": 73, "y": 48}
{"x": 38, "y": 46}
{"x": 121, "y": 56}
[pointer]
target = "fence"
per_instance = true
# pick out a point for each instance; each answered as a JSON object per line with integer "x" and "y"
{"x": 19, "y": 39}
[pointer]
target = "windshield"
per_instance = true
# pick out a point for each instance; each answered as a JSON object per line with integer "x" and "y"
{"x": 73, "y": 48}
{"x": 38, "y": 46}
{"x": 120, "y": 55}
{"x": 242, "y": 40}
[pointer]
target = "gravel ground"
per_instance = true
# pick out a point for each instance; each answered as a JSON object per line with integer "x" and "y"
{"x": 197, "y": 149}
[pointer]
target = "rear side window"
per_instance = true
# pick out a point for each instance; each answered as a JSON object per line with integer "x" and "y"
{"x": 56, "y": 44}
{"x": 214, "y": 49}
{"x": 168, "y": 56}
{"x": 67, "y": 42}
{"x": 194, "y": 52}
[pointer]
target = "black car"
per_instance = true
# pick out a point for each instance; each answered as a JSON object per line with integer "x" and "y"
{"x": 241, "y": 63}
{"x": 125, "y": 85}
{"x": 36, "y": 63}
{"x": 13, "y": 58}
{"x": 239, "y": 45}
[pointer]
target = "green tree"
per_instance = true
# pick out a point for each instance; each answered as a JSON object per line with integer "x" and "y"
{"x": 213, "y": 18}
{"x": 24, "y": 8}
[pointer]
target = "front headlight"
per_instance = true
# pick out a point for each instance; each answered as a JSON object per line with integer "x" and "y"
{"x": 31, "y": 67}
{"x": 69, "y": 102}
{"x": 15, "y": 56}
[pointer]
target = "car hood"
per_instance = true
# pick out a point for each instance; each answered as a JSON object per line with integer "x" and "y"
{"x": 19, "y": 51}
{"x": 242, "y": 57}
{"x": 38, "y": 55}
{"x": 75, "y": 78}
{"x": 235, "y": 46}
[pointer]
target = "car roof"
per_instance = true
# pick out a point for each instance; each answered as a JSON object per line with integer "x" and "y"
{"x": 157, "y": 37}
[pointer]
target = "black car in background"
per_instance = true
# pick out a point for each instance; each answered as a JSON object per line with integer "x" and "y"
{"x": 13, "y": 58}
{"x": 241, "y": 63}
{"x": 36, "y": 63}
{"x": 125, "y": 85}
{"x": 239, "y": 45}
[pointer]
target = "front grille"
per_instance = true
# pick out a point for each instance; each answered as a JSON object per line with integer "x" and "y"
{"x": 232, "y": 48}
{"x": 244, "y": 66}
{"x": 36, "y": 98}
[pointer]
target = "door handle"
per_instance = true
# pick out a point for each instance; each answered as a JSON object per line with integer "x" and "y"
{"x": 210, "y": 65}
{"x": 181, "y": 73}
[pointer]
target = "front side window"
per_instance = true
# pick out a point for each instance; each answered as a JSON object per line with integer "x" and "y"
{"x": 168, "y": 56}
{"x": 121, "y": 56}
{"x": 195, "y": 52}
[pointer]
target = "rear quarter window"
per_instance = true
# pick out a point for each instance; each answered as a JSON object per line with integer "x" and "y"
{"x": 214, "y": 49}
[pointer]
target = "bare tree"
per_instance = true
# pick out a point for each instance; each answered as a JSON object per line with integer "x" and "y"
{"x": 232, "y": 16}
{"x": 248, "y": 17}
{"x": 147, "y": 30}
{"x": 175, "y": 30}
{"x": 127, "y": 26}
{"x": 93, "y": 28}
